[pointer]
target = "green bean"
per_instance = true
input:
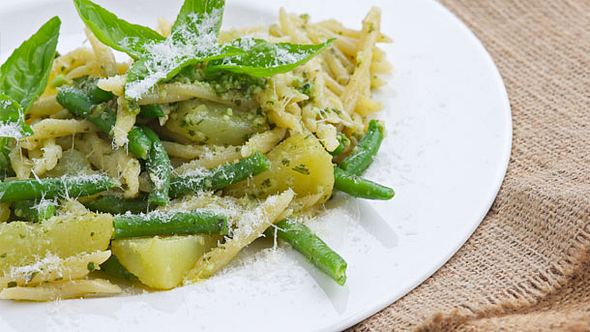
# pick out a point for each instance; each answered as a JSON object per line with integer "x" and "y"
{"x": 34, "y": 211}
{"x": 5, "y": 167}
{"x": 159, "y": 168}
{"x": 346, "y": 174}
{"x": 169, "y": 223}
{"x": 139, "y": 144}
{"x": 302, "y": 239}
{"x": 362, "y": 155}
{"x": 98, "y": 95}
{"x": 103, "y": 117}
{"x": 91, "y": 89}
{"x": 152, "y": 111}
{"x": 113, "y": 267}
{"x": 344, "y": 142}
{"x": 48, "y": 188}
{"x": 74, "y": 100}
{"x": 359, "y": 187}
{"x": 219, "y": 177}
{"x": 117, "y": 205}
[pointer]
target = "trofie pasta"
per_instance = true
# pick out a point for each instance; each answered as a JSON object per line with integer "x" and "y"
{"x": 161, "y": 168}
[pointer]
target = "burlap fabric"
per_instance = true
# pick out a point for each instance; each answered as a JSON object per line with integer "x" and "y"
{"x": 527, "y": 267}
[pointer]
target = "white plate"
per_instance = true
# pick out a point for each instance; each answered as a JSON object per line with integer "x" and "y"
{"x": 449, "y": 126}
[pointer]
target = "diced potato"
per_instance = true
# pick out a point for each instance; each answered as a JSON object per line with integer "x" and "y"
{"x": 53, "y": 268}
{"x": 24, "y": 243}
{"x": 214, "y": 124}
{"x": 72, "y": 162}
{"x": 61, "y": 290}
{"x": 301, "y": 163}
{"x": 162, "y": 262}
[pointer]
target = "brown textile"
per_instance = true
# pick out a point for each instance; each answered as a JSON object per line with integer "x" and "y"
{"x": 527, "y": 267}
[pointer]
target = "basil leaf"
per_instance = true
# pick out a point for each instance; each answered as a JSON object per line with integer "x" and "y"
{"x": 12, "y": 119}
{"x": 193, "y": 40}
{"x": 115, "y": 32}
{"x": 24, "y": 75}
{"x": 194, "y": 13}
{"x": 166, "y": 61}
{"x": 261, "y": 58}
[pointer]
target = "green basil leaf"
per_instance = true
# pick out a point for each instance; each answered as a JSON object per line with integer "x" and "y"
{"x": 115, "y": 32}
{"x": 261, "y": 58}
{"x": 194, "y": 13}
{"x": 165, "y": 61}
{"x": 12, "y": 119}
{"x": 24, "y": 75}
{"x": 193, "y": 40}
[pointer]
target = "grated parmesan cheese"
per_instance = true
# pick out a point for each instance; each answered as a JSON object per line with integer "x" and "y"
{"x": 44, "y": 204}
{"x": 48, "y": 263}
{"x": 12, "y": 130}
{"x": 83, "y": 178}
{"x": 281, "y": 56}
{"x": 165, "y": 215}
{"x": 182, "y": 45}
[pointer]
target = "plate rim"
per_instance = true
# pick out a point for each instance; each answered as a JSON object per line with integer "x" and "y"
{"x": 506, "y": 113}
{"x": 500, "y": 176}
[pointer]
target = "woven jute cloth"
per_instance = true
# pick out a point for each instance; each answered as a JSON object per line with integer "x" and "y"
{"x": 527, "y": 267}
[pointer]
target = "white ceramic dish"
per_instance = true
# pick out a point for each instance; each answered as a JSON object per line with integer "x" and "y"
{"x": 449, "y": 126}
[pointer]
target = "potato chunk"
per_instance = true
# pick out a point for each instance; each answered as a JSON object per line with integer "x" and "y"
{"x": 63, "y": 236}
{"x": 162, "y": 262}
{"x": 209, "y": 123}
{"x": 72, "y": 162}
{"x": 301, "y": 163}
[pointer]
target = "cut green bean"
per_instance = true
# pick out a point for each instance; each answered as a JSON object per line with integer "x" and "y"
{"x": 48, "y": 188}
{"x": 90, "y": 88}
{"x": 346, "y": 174}
{"x": 98, "y": 95}
{"x": 34, "y": 211}
{"x": 359, "y": 187}
{"x": 5, "y": 167}
{"x": 159, "y": 169}
{"x": 113, "y": 267}
{"x": 344, "y": 142}
{"x": 117, "y": 205}
{"x": 302, "y": 239}
{"x": 75, "y": 101}
{"x": 363, "y": 153}
{"x": 139, "y": 144}
{"x": 220, "y": 177}
{"x": 169, "y": 223}
{"x": 152, "y": 111}
{"x": 103, "y": 117}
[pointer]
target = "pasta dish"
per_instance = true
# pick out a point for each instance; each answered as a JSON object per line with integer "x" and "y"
{"x": 158, "y": 169}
